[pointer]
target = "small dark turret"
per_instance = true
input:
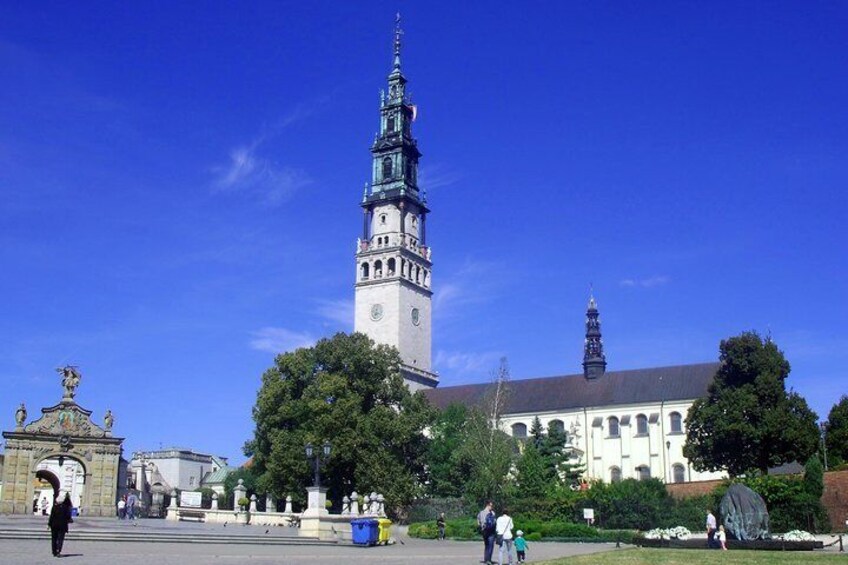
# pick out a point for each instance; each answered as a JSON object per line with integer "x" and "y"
{"x": 594, "y": 362}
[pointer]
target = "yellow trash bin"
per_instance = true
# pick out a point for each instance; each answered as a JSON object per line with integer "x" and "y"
{"x": 385, "y": 526}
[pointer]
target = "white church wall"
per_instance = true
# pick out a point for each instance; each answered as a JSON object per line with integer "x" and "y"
{"x": 589, "y": 430}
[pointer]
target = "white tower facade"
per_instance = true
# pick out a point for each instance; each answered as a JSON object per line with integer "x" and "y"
{"x": 394, "y": 270}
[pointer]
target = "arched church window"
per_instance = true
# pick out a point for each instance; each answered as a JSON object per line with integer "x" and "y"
{"x": 519, "y": 431}
{"x": 418, "y": 274}
{"x": 383, "y": 216}
{"x": 615, "y": 474}
{"x": 641, "y": 425}
{"x": 643, "y": 472}
{"x": 390, "y": 124}
{"x": 378, "y": 269}
{"x": 426, "y": 281}
{"x": 613, "y": 427}
{"x": 387, "y": 168}
{"x": 365, "y": 269}
{"x": 675, "y": 423}
{"x": 390, "y": 265}
{"x": 678, "y": 473}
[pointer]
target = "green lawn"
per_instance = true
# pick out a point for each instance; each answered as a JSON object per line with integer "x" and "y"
{"x": 644, "y": 556}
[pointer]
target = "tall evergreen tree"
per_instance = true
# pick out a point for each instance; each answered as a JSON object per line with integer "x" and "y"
{"x": 748, "y": 421}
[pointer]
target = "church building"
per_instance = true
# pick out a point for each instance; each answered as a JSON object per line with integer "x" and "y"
{"x": 619, "y": 424}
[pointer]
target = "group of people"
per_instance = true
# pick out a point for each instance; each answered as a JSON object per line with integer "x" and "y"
{"x": 126, "y": 506}
{"x": 716, "y": 537}
{"x": 498, "y": 531}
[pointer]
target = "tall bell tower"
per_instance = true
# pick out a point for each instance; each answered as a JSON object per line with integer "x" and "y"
{"x": 393, "y": 279}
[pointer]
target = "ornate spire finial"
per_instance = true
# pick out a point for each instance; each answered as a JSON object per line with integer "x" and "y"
{"x": 592, "y": 303}
{"x": 398, "y": 33}
{"x": 594, "y": 360}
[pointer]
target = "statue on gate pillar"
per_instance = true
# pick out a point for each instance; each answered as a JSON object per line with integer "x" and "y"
{"x": 20, "y": 415}
{"x": 71, "y": 378}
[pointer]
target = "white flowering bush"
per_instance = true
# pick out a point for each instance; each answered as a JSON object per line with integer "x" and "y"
{"x": 679, "y": 532}
{"x": 797, "y": 535}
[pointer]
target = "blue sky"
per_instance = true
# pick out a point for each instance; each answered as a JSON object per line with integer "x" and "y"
{"x": 179, "y": 188}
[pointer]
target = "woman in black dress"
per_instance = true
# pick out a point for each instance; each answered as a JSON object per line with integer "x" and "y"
{"x": 60, "y": 517}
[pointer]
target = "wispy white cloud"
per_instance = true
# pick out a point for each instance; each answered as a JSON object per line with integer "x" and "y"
{"x": 339, "y": 312}
{"x": 473, "y": 283}
{"x": 435, "y": 176}
{"x": 246, "y": 171}
{"x": 465, "y": 363}
{"x": 650, "y": 282}
{"x": 279, "y": 340}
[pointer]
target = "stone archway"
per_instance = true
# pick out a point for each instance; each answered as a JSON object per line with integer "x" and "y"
{"x": 64, "y": 442}
{"x": 44, "y": 497}
{"x": 69, "y": 473}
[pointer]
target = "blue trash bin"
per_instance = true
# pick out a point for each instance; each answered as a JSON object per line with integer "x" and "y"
{"x": 366, "y": 531}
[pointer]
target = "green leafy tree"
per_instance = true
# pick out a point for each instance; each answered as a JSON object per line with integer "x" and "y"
{"x": 534, "y": 473}
{"x": 350, "y": 392}
{"x": 836, "y": 439}
{"x": 748, "y": 421}
{"x": 488, "y": 452}
{"x": 447, "y": 469}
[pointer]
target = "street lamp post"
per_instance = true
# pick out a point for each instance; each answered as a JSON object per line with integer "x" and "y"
{"x": 318, "y": 457}
{"x": 823, "y": 427}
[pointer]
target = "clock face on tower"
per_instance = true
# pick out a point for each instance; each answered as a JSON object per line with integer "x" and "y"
{"x": 376, "y": 312}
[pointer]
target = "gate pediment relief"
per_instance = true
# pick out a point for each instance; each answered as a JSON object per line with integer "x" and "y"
{"x": 66, "y": 419}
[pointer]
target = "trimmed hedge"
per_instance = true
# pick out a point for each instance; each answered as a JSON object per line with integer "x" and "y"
{"x": 534, "y": 530}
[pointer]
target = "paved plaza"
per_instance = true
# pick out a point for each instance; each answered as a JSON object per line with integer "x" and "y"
{"x": 35, "y": 551}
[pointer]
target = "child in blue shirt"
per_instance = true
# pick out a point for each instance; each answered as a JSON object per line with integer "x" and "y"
{"x": 520, "y": 545}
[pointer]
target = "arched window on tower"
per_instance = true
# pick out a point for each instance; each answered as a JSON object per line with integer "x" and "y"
{"x": 387, "y": 168}
{"x": 418, "y": 274}
{"x": 615, "y": 474}
{"x": 675, "y": 423}
{"x": 641, "y": 425}
{"x": 613, "y": 427}
{"x": 390, "y": 124}
{"x": 426, "y": 282}
{"x": 390, "y": 265}
{"x": 365, "y": 271}
{"x": 643, "y": 472}
{"x": 378, "y": 269}
{"x": 519, "y": 431}
{"x": 678, "y": 473}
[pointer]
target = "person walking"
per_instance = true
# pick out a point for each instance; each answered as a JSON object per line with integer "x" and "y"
{"x": 487, "y": 524}
{"x": 440, "y": 524}
{"x": 44, "y": 505}
{"x": 122, "y": 507}
{"x": 503, "y": 531}
{"x": 711, "y": 529}
{"x": 60, "y": 517}
{"x": 131, "y": 500}
{"x": 520, "y": 546}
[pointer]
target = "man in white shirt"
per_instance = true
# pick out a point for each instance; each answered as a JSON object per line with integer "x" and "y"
{"x": 711, "y": 529}
{"x": 503, "y": 531}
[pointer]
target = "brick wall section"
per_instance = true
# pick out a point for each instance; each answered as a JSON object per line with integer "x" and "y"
{"x": 688, "y": 490}
{"x": 835, "y": 498}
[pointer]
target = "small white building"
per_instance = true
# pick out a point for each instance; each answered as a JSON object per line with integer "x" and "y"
{"x": 174, "y": 468}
